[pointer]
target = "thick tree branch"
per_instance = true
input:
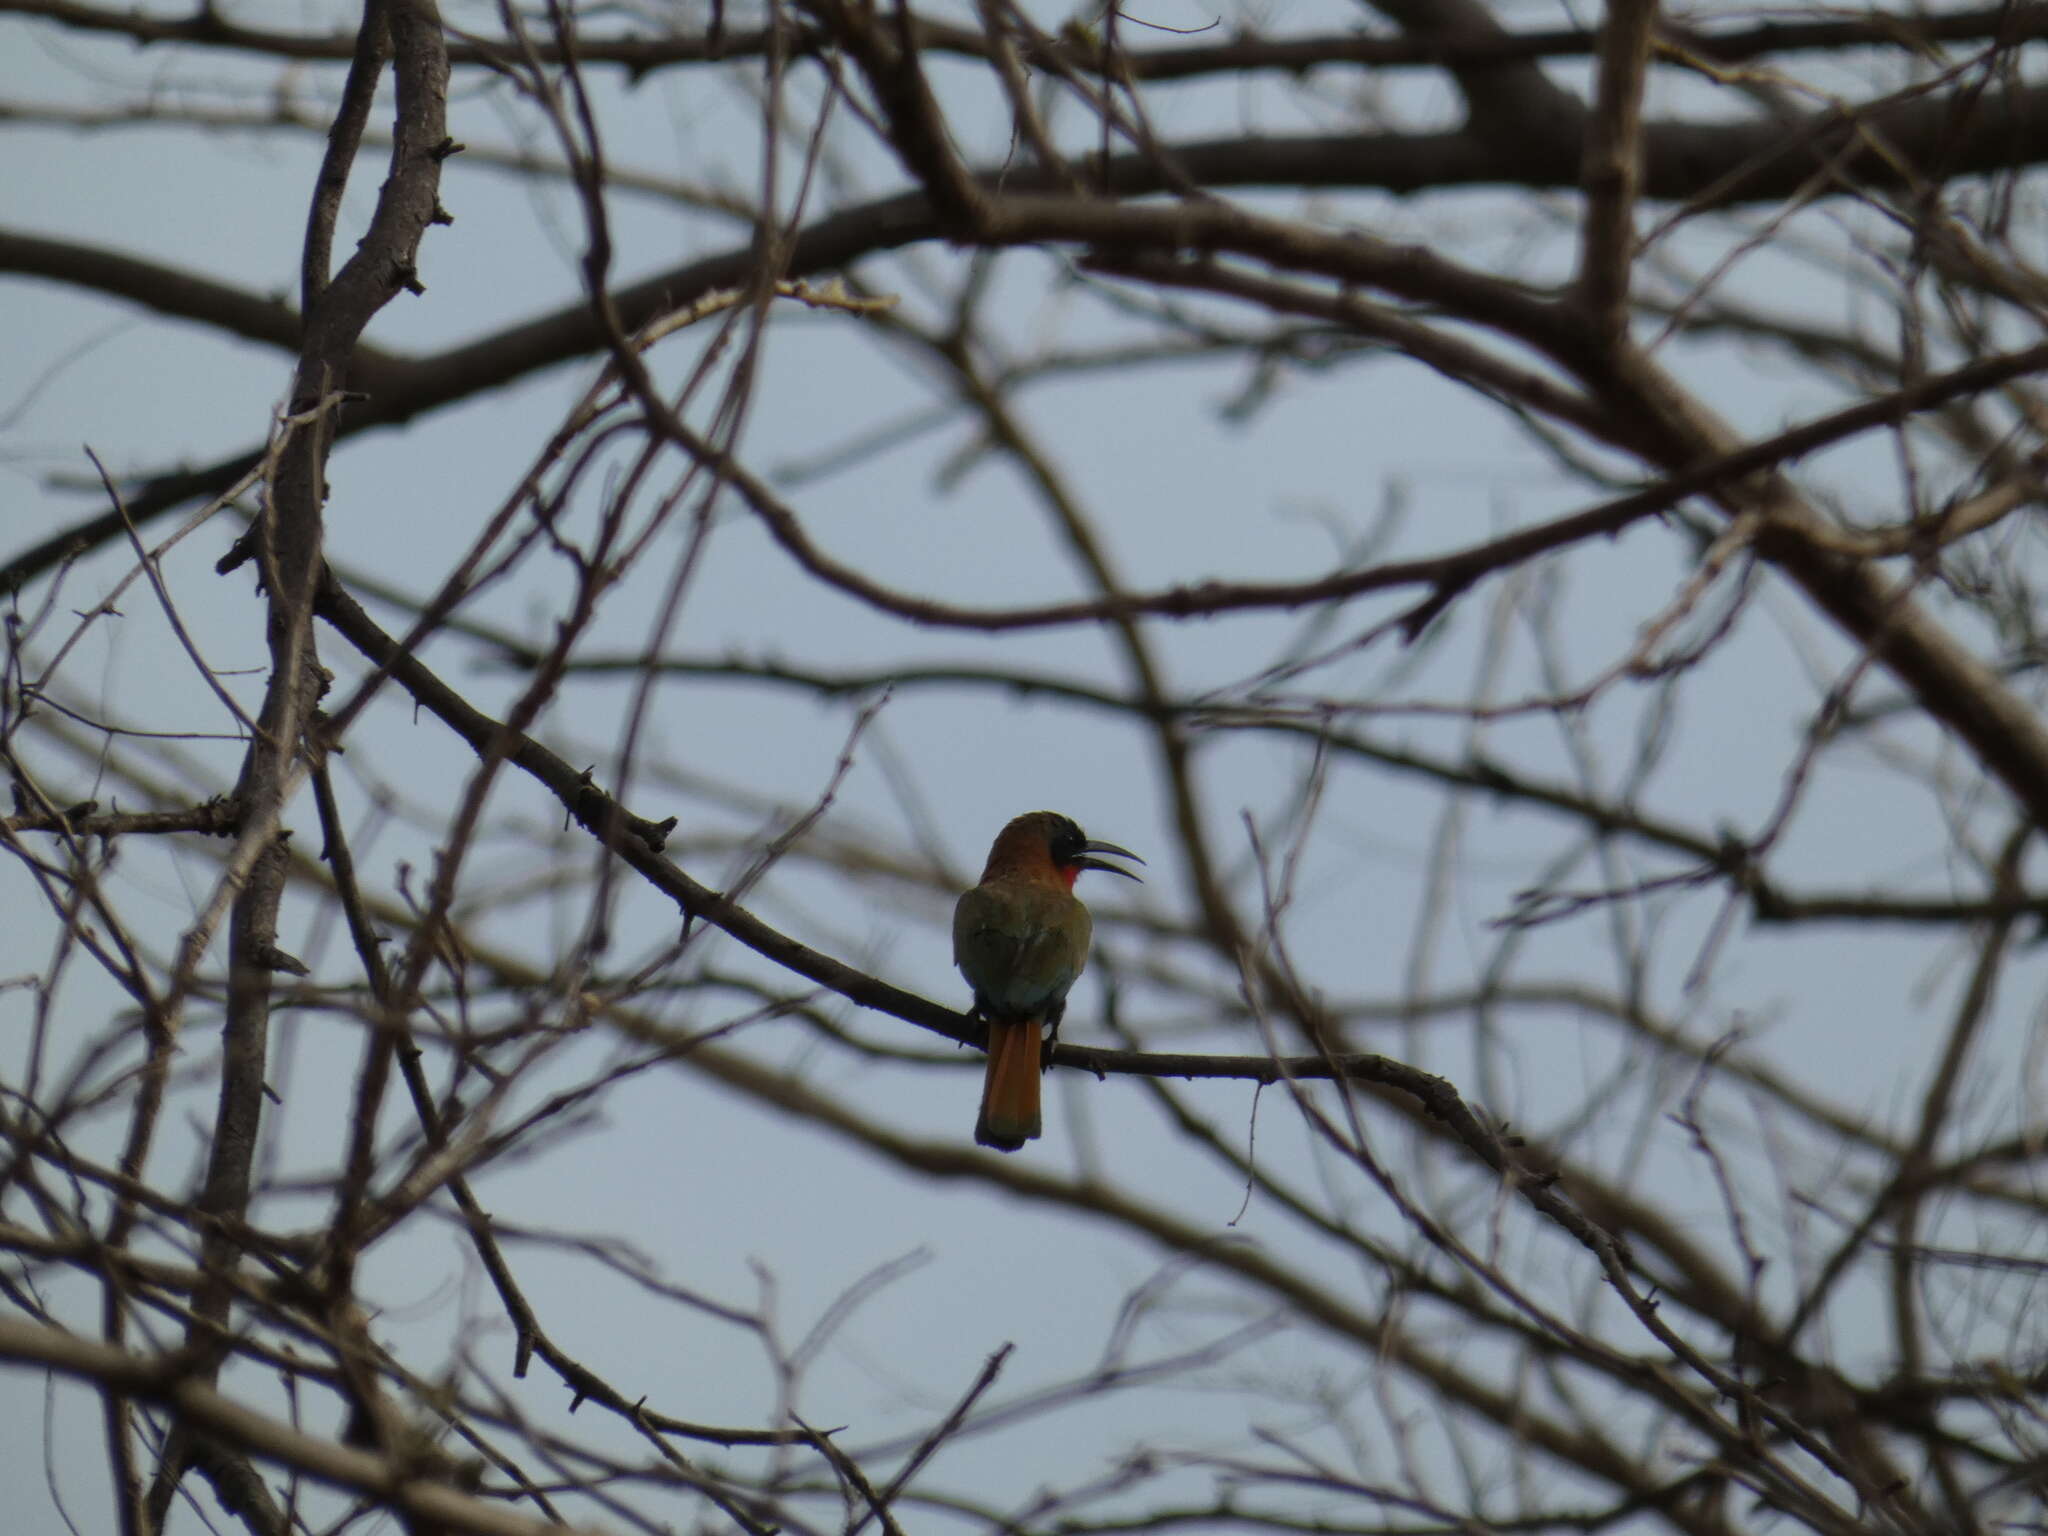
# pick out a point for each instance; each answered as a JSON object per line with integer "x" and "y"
{"x": 1442, "y": 47}
{"x": 1614, "y": 165}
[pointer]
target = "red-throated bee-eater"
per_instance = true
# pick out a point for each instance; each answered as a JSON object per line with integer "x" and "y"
{"x": 1020, "y": 938}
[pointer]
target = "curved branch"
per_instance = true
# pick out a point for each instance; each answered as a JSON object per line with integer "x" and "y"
{"x": 169, "y": 1379}
{"x": 154, "y": 286}
{"x": 1449, "y": 575}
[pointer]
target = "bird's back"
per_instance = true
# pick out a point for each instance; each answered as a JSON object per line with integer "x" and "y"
{"x": 1020, "y": 942}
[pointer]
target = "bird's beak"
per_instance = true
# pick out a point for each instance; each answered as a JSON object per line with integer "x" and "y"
{"x": 1114, "y": 869}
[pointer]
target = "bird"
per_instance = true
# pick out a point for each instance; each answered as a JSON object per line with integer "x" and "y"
{"x": 1020, "y": 938}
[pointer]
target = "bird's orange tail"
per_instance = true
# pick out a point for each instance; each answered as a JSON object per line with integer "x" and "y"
{"x": 1009, "y": 1094}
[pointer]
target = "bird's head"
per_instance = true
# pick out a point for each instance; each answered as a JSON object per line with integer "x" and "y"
{"x": 1041, "y": 839}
